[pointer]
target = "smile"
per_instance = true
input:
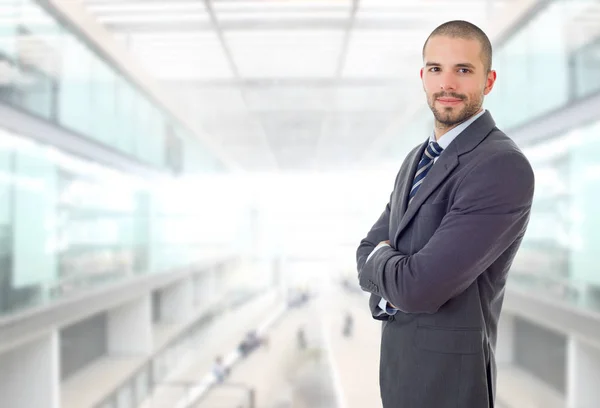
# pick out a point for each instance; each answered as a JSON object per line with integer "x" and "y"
{"x": 449, "y": 101}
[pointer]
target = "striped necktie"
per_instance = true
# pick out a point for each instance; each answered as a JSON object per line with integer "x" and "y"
{"x": 432, "y": 151}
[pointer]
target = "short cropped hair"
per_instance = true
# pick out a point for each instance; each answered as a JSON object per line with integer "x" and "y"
{"x": 468, "y": 31}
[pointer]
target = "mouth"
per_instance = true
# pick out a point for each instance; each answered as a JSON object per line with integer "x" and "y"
{"x": 449, "y": 101}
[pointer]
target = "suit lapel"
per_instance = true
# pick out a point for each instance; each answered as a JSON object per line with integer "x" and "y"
{"x": 442, "y": 168}
{"x": 446, "y": 163}
{"x": 407, "y": 182}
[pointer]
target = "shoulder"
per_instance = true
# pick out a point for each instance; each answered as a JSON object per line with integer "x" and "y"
{"x": 499, "y": 151}
{"x": 498, "y": 165}
{"x": 497, "y": 142}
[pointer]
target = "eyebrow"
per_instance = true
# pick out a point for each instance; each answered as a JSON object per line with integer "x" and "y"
{"x": 459, "y": 65}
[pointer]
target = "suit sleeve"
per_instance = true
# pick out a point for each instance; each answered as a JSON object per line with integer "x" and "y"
{"x": 378, "y": 232}
{"x": 489, "y": 213}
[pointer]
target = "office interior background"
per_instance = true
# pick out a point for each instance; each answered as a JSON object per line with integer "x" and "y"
{"x": 179, "y": 176}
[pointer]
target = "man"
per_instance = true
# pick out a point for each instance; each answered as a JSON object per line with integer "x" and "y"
{"x": 437, "y": 260}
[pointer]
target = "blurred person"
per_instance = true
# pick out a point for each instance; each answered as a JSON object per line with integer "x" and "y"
{"x": 301, "y": 338}
{"x": 219, "y": 370}
{"x": 436, "y": 261}
{"x": 348, "y": 325}
{"x": 251, "y": 342}
{"x": 247, "y": 344}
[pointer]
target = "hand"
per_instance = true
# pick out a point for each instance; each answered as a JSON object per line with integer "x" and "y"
{"x": 385, "y": 242}
{"x": 389, "y": 303}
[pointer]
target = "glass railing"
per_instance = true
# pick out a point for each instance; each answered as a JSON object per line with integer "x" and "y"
{"x": 585, "y": 63}
{"x": 577, "y": 293}
{"x": 46, "y": 69}
{"x": 67, "y": 224}
{"x": 548, "y": 63}
{"x": 138, "y": 387}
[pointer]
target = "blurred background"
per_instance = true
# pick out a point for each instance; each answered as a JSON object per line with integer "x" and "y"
{"x": 184, "y": 183}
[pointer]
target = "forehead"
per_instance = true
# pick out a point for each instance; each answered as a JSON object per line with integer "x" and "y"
{"x": 445, "y": 49}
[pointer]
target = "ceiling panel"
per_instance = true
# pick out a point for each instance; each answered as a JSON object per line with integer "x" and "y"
{"x": 284, "y": 15}
{"x": 207, "y": 100}
{"x": 164, "y": 18}
{"x": 281, "y": 5}
{"x": 365, "y": 98}
{"x": 124, "y": 7}
{"x": 284, "y": 54}
{"x": 289, "y": 98}
{"x": 181, "y": 56}
{"x": 290, "y": 84}
{"x": 394, "y": 54}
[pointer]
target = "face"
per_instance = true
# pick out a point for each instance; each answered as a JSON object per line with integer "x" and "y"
{"x": 454, "y": 79}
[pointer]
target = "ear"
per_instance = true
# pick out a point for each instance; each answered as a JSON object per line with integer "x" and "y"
{"x": 421, "y": 73}
{"x": 489, "y": 82}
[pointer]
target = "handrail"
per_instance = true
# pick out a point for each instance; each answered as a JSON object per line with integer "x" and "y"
{"x": 569, "y": 289}
{"x": 206, "y": 317}
{"x": 209, "y": 380}
{"x": 211, "y": 312}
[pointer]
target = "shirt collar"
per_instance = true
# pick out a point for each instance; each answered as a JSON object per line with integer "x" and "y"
{"x": 449, "y": 136}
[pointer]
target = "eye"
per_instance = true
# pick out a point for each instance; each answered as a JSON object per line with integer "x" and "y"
{"x": 434, "y": 69}
{"x": 464, "y": 70}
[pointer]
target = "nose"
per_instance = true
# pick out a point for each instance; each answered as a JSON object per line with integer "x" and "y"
{"x": 448, "y": 81}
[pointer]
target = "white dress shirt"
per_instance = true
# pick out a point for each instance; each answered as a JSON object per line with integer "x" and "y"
{"x": 444, "y": 142}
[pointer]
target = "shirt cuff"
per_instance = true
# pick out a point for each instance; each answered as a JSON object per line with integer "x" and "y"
{"x": 383, "y": 305}
{"x": 378, "y": 247}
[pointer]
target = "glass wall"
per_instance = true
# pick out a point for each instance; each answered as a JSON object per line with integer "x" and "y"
{"x": 49, "y": 71}
{"x": 68, "y": 224}
{"x": 549, "y": 62}
{"x": 65, "y": 223}
{"x": 559, "y": 252}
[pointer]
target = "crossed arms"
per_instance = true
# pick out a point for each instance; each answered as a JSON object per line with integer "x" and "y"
{"x": 490, "y": 211}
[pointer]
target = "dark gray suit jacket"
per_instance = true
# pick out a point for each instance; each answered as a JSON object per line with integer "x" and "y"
{"x": 446, "y": 269}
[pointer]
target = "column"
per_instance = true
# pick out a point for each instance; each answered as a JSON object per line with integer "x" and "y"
{"x": 177, "y": 303}
{"x": 130, "y": 328}
{"x": 30, "y": 374}
{"x": 203, "y": 291}
{"x": 505, "y": 344}
{"x": 212, "y": 283}
{"x": 583, "y": 372}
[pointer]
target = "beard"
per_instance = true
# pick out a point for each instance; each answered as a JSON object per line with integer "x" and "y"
{"x": 449, "y": 116}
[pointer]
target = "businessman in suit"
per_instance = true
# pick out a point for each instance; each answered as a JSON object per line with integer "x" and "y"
{"x": 437, "y": 259}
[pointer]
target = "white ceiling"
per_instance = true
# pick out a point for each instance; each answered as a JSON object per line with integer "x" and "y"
{"x": 289, "y": 84}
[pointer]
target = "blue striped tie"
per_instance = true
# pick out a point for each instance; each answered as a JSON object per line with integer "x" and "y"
{"x": 432, "y": 151}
